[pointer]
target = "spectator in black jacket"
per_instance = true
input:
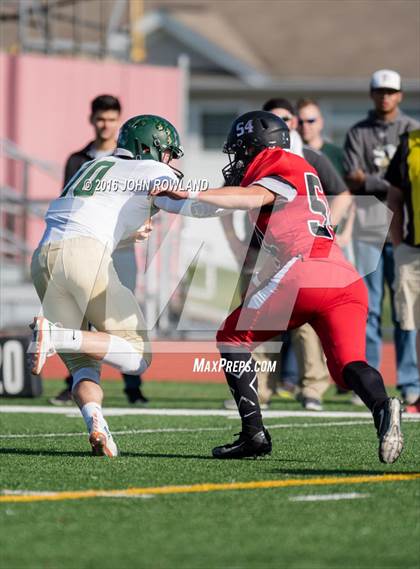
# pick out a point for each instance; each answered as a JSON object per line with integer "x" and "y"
{"x": 105, "y": 119}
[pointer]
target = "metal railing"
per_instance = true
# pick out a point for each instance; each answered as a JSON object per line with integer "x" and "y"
{"x": 16, "y": 207}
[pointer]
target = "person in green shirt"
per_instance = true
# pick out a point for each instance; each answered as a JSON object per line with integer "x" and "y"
{"x": 310, "y": 126}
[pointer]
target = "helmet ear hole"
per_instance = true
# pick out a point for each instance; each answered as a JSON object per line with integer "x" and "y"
{"x": 141, "y": 149}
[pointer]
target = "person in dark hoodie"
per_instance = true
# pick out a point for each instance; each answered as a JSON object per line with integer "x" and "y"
{"x": 369, "y": 147}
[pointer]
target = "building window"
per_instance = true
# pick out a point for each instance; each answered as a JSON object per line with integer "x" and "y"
{"x": 215, "y": 127}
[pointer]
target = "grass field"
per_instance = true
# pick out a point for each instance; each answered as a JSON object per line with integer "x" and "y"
{"x": 327, "y": 502}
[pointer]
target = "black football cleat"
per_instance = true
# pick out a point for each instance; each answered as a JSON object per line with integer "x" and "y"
{"x": 136, "y": 396}
{"x": 63, "y": 398}
{"x": 246, "y": 446}
{"x": 388, "y": 426}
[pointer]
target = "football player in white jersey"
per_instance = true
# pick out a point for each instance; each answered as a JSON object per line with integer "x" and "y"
{"x": 103, "y": 205}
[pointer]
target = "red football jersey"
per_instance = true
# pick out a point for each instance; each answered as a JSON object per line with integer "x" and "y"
{"x": 298, "y": 222}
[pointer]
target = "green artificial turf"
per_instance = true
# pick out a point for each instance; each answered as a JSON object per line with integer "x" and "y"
{"x": 255, "y": 529}
{"x": 181, "y": 395}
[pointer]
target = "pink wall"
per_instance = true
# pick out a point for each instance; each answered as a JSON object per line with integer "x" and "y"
{"x": 45, "y": 105}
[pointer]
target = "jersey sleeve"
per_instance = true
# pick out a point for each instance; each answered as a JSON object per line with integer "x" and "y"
{"x": 189, "y": 208}
{"x": 278, "y": 186}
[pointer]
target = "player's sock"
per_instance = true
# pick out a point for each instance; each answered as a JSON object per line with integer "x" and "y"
{"x": 66, "y": 339}
{"x": 239, "y": 368}
{"x": 132, "y": 382}
{"x": 367, "y": 382}
{"x": 94, "y": 419}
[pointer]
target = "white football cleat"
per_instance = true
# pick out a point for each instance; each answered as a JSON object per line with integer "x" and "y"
{"x": 41, "y": 346}
{"x": 388, "y": 425}
{"x": 102, "y": 444}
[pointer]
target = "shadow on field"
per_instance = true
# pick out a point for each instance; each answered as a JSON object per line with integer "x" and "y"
{"x": 200, "y": 457}
{"x": 30, "y": 452}
{"x": 50, "y": 452}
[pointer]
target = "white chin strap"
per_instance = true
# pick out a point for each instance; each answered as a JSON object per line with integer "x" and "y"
{"x": 123, "y": 152}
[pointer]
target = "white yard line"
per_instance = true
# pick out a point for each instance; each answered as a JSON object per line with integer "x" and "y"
{"x": 182, "y": 430}
{"x": 126, "y": 411}
{"x": 25, "y": 493}
{"x": 42, "y": 493}
{"x": 116, "y": 433}
{"x": 307, "y": 498}
{"x": 328, "y": 497}
{"x": 324, "y": 424}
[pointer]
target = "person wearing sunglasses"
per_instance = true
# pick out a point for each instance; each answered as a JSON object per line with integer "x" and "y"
{"x": 310, "y": 127}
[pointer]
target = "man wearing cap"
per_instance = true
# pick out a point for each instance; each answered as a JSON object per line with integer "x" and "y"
{"x": 369, "y": 147}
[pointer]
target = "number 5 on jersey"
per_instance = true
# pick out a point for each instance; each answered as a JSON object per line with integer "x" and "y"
{"x": 318, "y": 204}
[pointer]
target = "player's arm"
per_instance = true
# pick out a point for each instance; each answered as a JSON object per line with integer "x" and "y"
{"x": 228, "y": 197}
{"x": 188, "y": 207}
{"x": 234, "y": 197}
{"x": 169, "y": 196}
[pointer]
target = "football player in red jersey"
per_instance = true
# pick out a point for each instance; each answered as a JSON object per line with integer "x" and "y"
{"x": 305, "y": 278}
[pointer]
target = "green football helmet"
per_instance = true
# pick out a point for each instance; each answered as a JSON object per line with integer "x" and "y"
{"x": 146, "y": 137}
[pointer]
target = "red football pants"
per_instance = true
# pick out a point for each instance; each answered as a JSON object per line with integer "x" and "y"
{"x": 331, "y": 297}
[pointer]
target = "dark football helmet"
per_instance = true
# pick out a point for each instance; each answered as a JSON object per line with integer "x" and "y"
{"x": 248, "y": 136}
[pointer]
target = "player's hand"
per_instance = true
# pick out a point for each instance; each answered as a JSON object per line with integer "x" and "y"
{"x": 356, "y": 179}
{"x": 140, "y": 235}
{"x": 359, "y": 176}
{"x": 144, "y": 232}
{"x": 174, "y": 193}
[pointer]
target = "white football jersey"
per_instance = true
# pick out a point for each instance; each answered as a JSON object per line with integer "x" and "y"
{"x": 107, "y": 199}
